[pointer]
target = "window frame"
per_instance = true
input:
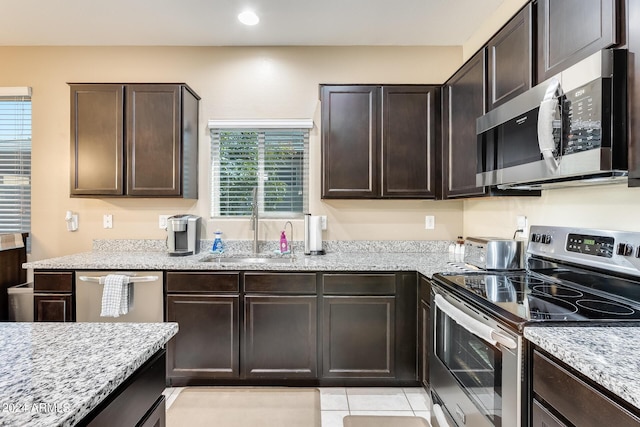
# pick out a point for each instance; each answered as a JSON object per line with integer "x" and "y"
{"x": 16, "y": 132}
{"x": 261, "y": 127}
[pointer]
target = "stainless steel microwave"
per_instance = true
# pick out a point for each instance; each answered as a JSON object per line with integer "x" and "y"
{"x": 569, "y": 130}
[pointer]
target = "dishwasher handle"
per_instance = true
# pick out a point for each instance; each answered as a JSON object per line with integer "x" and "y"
{"x": 132, "y": 279}
{"x": 472, "y": 325}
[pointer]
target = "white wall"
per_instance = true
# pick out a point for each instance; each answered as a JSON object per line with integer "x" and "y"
{"x": 612, "y": 207}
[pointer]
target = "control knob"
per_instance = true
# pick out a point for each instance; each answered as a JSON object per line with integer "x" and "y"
{"x": 624, "y": 249}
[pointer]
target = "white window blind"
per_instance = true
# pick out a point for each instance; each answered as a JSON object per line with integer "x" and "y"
{"x": 15, "y": 161}
{"x": 274, "y": 160}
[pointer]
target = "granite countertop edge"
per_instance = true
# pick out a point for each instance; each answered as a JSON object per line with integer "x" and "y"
{"x": 125, "y": 372}
{"x": 49, "y": 364}
{"x": 605, "y": 354}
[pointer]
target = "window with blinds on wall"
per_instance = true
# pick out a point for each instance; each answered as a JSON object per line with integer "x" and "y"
{"x": 15, "y": 160}
{"x": 271, "y": 159}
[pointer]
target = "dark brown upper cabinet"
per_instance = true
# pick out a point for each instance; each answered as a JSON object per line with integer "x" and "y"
{"x": 571, "y": 30}
{"x": 378, "y": 141}
{"x": 463, "y": 103}
{"x": 510, "y": 59}
{"x": 136, "y": 140}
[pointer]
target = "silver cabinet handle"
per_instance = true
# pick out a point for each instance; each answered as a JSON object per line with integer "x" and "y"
{"x": 132, "y": 279}
{"x": 472, "y": 325}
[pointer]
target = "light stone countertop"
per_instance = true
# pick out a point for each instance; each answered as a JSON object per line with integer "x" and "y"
{"x": 426, "y": 263}
{"x": 606, "y": 354}
{"x": 54, "y": 374}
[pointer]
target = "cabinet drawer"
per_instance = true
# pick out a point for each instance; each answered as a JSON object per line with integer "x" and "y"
{"x": 53, "y": 282}
{"x": 286, "y": 283}
{"x": 191, "y": 282}
{"x": 576, "y": 400}
{"x": 359, "y": 284}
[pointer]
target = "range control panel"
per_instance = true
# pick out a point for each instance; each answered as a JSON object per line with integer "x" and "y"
{"x": 590, "y": 244}
{"x": 606, "y": 249}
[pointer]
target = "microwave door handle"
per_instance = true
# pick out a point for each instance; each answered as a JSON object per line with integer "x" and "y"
{"x": 546, "y": 116}
{"x": 472, "y": 325}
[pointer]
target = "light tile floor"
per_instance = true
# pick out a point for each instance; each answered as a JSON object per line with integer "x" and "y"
{"x": 338, "y": 402}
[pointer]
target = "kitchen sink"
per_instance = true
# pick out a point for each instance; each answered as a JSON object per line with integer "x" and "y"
{"x": 247, "y": 259}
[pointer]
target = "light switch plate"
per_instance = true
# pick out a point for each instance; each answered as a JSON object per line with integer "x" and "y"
{"x": 323, "y": 222}
{"x": 107, "y": 221}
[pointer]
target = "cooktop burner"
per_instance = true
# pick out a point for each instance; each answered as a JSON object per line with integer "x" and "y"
{"x": 531, "y": 298}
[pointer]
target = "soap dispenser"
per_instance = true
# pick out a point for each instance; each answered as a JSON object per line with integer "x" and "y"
{"x": 217, "y": 243}
{"x": 284, "y": 244}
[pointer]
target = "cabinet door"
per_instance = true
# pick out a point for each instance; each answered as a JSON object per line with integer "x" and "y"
{"x": 571, "y": 30}
{"x": 207, "y": 344}
{"x": 153, "y": 140}
{"x": 577, "y": 399}
{"x": 424, "y": 316}
{"x": 97, "y": 113}
{"x": 411, "y": 122}
{"x": 52, "y": 308}
{"x": 464, "y": 102}
{"x": 350, "y": 141}
{"x": 280, "y": 337}
{"x": 541, "y": 417}
{"x": 358, "y": 337}
{"x": 510, "y": 55}
{"x": 424, "y": 329}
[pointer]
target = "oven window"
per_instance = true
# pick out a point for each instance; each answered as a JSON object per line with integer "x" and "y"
{"x": 476, "y": 365}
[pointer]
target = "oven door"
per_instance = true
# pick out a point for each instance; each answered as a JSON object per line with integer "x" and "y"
{"x": 475, "y": 367}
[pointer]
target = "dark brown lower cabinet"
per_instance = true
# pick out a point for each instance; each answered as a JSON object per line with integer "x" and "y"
{"x": 292, "y": 328}
{"x": 52, "y": 308}
{"x": 280, "y": 336}
{"x": 424, "y": 330}
{"x": 138, "y": 401}
{"x": 207, "y": 345}
{"x": 53, "y": 296}
{"x": 358, "y": 336}
{"x": 562, "y": 397}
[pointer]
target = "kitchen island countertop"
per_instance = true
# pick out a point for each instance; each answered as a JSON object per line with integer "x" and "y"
{"x": 608, "y": 355}
{"x": 54, "y": 374}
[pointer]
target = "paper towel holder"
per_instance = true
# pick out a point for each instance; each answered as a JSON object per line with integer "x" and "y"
{"x": 312, "y": 236}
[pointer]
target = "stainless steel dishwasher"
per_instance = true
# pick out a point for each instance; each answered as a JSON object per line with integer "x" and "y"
{"x": 147, "y": 297}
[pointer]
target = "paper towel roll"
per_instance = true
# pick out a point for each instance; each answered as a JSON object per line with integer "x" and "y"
{"x": 315, "y": 233}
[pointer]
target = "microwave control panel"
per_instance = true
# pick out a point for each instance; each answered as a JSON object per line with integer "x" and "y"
{"x": 584, "y": 116}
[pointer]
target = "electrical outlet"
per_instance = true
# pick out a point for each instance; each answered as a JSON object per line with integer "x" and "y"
{"x": 521, "y": 222}
{"x": 162, "y": 221}
{"x": 429, "y": 222}
{"x": 323, "y": 222}
{"x": 107, "y": 221}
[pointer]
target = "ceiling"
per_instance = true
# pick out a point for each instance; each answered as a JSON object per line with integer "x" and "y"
{"x": 214, "y": 22}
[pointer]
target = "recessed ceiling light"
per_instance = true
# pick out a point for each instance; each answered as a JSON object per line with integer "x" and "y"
{"x": 248, "y": 17}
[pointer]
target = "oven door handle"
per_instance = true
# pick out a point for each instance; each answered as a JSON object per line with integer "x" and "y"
{"x": 440, "y": 417}
{"x": 474, "y": 326}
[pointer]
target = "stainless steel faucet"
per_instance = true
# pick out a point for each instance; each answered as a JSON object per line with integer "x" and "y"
{"x": 254, "y": 219}
{"x": 291, "y": 254}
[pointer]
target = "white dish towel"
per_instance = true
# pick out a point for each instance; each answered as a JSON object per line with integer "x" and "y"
{"x": 115, "y": 295}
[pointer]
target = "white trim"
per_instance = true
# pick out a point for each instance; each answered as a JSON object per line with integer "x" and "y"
{"x": 262, "y": 124}
{"x": 15, "y": 91}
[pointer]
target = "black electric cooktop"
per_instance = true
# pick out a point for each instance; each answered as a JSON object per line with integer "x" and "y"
{"x": 561, "y": 295}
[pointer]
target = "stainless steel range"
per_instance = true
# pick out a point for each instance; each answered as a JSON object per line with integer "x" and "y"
{"x": 478, "y": 362}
